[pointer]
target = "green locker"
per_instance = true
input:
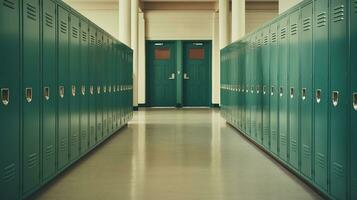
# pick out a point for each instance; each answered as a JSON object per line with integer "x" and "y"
{"x": 49, "y": 86}
{"x": 31, "y": 95}
{"x": 110, "y": 89}
{"x": 339, "y": 98}
{"x": 283, "y": 85}
{"x": 74, "y": 75}
{"x": 105, "y": 85}
{"x": 92, "y": 85}
{"x": 321, "y": 100}
{"x": 10, "y": 99}
{"x": 63, "y": 87}
{"x": 353, "y": 105}
{"x": 253, "y": 96}
{"x": 306, "y": 50}
{"x": 247, "y": 88}
{"x": 265, "y": 87}
{"x": 294, "y": 81}
{"x": 243, "y": 87}
{"x": 99, "y": 84}
{"x": 84, "y": 99}
{"x": 273, "y": 89}
{"x": 259, "y": 83}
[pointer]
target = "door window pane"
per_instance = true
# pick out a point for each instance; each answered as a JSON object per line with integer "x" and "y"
{"x": 196, "y": 54}
{"x": 162, "y": 54}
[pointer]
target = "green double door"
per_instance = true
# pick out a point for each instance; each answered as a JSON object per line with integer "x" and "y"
{"x": 178, "y": 73}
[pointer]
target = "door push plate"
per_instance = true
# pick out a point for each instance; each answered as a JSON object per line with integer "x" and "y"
{"x": 5, "y": 96}
{"x": 28, "y": 95}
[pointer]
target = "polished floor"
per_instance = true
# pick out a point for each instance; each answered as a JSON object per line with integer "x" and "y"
{"x": 187, "y": 154}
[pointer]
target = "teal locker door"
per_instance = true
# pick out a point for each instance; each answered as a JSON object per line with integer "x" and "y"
{"x": 253, "y": 97}
{"x": 247, "y": 88}
{"x": 63, "y": 87}
{"x": 259, "y": 82}
{"x": 265, "y": 88}
{"x": 110, "y": 89}
{"x": 49, "y": 84}
{"x": 74, "y": 75}
{"x": 161, "y": 74}
{"x": 293, "y": 89}
{"x": 84, "y": 106}
{"x": 31, "y": 95}
{"x": 92, "y": 85}
{"x": 244, "y": 85}
{"x": 10, "y": 99}
{"x": 196, "y": 74}
{"x": 283, "y": 85}
{"x": 105, "y": 85}
{"x": 273, "y": 89}
{"x": 321, "y": 99}
{"x": 306, "y": 119}
{"x": 339, "y": 98}
{"x": 99, "y": 83}
{"x": 353, "y": 106}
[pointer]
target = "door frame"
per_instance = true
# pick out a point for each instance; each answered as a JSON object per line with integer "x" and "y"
{"x": 179, "y": 70}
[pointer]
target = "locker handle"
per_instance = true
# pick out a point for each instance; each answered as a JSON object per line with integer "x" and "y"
{"x": 258, "y": 89}
{"x": 114, "y": 89}
{"x": 73, "y": 90}
{"x": 252, "y": 89}
{"x": 281, "y": 91}
{"x": 303, "y": 93}
{"x": 28, "y": 95}
{"x": 172, "y": 77}
{"x": 61, "y": 91}
{"x": 46, "y": 93}
{"x": 98, "y": 89}
{"x": 118, "y": 88}
{"x": 5, "y": 96}
{"x": 83, "y": 90}
{"x": 335, "y": 95}
{"x": 318, "y": 95}
{"x": 185, "y": 76}
{"x": 110, "y": 89}
{"x": 264, "y": 89}
{"x": 91, "y": 90}
{"x": 355, "y": 101}
{"x": 238, "y": 88}
{"x": 272, "y": 91}
{"x": 105, "y": 89}
{"x": 292, "y": 92}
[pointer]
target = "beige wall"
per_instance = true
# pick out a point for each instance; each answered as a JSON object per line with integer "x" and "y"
{"x": 286, "y": 4}
{"x": 256, "y": 18}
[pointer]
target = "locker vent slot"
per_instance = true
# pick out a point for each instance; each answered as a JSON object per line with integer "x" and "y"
{"x": 99, "y": 42}
{"x": 49, "y": 20}
{"x": 338, "y": 13}
{"x": 74, "y": 32}
{"x": 283, "y": 139}
{"x": 84, "y": 36}
{"x": 9, "y": 3}
{"x": 293, "y": 144}
{"x": 92, "y": 39}
{"x": 49, "y": 152}
{"x": 9, "y": 173}
{"x": 273, "y": 37}
{"x": 283, "y": 33}
{"x": 294, "y": 29}
{"x": 321, "y": 19}
{"x": 266, "y": 40}
{"x": 306, "y": 24}
{"x": 32, "y": 160}
{"x": 74, "y": 139}
{"x": 321, "y": 160}
{"x": 337, "y": 169}
{"x": 63, "y": 27}
{"x": 306, "y": 151}
{"x": 31, "y": 12}
{"x": 63, "y": 144}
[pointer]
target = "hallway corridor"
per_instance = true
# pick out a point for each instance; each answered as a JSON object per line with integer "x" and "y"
{"x": 186, "y": 154}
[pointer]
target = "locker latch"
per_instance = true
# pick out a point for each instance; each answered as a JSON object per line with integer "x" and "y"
{"x": 114, "y": 89}
{"x": 318, "y": 95}
{"x": 5, "y": 96}
{"x": 335, "y": 96}
{"x": 98, "y": 89}
{"x": 28, "y": 95}
{"x": 110, "y": 89}
{"x": 355, "y": 101}
{"x": 61, "y": 91}
{"x": 105, "y": 89}
{"x": 46, "y": 93}
{"x": 281, "y": 91}
{"x": 73, "y": 90}
{"x": 83, "y": 90}
{"x": 252, "y": 89}
{"x": 292, "y": 93}
{"x": 303, "y": 93}
{"x": 91, "y": 90}
{"x": 264, "y": 89}
{"x": 258, "y": 89}
{"x": 272, "y": 91}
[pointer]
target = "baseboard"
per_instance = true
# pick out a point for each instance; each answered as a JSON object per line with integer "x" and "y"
{"x": 178, "y": 105}
{"x": 215, "y": 105}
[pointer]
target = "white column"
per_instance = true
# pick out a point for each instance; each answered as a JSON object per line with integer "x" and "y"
{"x": 141, "y": 60}
{"x": 134, "y": 46}
{"x": 223, "y": 23}
{"x": 284, "y": 5}
{"x": 238, "y": 19}
{"x": 215, "y": 59}
{"x": 124, "y": 22}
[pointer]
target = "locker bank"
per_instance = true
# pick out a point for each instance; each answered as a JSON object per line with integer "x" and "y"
{"x": 196, "y": 99}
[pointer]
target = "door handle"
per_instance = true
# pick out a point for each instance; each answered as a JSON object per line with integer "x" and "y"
{"x": 186, "y": 77}
{"x": 172, "y": 77}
